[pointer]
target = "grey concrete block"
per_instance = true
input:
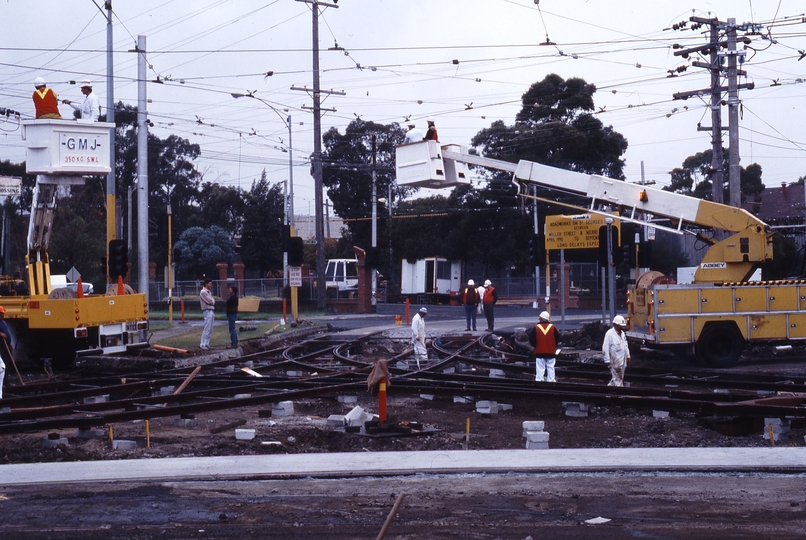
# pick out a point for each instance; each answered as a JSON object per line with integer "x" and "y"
{"x": 402, "y": 364}
{"x": 356, "y": 417}
{"x": 294, "y": 373}
{"x": 284, "y": 408}
{"x": 185, "y": 422}
{"x": 660, "y": 414}
{"x": 497, "y": 374}
{"x": 91, "y": 434}
{"x": 241, "y": 396}
{"x": 576, "y": 413}
{"x": 487, "y": 407}
{"x": 96, "y": 399}
{"x": 537, "y": 445}
{"x": 449, "y": 371}
{"x": 348, "y": 399}
{"x": 463, "y": 399}
{"x": 4, "y": 410}
{"x": 427, "y": 397}
{"x": 167, "y": 390}
{"x": 504, "y": 407}
{"x": 245, "y": 434}
{"x": 336, "y": 420}
{"x": 533, "y": 425}
{"x": 777, "y": 422}
{"x": 122, "y": 444}
{"x": 537, "y": 436}
{"x": 53, "y": 443}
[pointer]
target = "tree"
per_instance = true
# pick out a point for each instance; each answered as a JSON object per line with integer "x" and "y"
{"x": 199, "y": 250}
{"x": 261, "y": 239}
{"x": 555, "y": 127}
{"x": 695, "y": 177}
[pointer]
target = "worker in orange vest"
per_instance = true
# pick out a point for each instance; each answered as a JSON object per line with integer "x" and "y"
{"x": 545, "y": 338}
{"x": 488, "y": 304}
{"x": 470, "y": 299}
{"x": 46, "y": 103}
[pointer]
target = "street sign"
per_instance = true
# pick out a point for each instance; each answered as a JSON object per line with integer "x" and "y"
{"x": 10, "y": 186}
{"x": 295, "y": 276}
{"x": 575, "y": 232}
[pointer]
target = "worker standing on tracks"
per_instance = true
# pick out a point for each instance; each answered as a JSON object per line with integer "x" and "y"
{"x": 545, "y": 338}
{"x": 5, "y": 348}
{"x": 232, "y": 315}
{"x": 488, "y": 303}
{"x": 46, "y": 102}
{"x": 90, "y": 109}
{"x": 208, "y": 310}
{"x": 616, "y": 352}
{"x": 418, "y": 336}
{"x": 470, "y": 299}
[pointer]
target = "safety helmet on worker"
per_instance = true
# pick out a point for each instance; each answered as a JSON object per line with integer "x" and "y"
{"x": 470, "y": 283}
{"x": 545, "y": 316}
{"x": 86, "y": 83}
{"x": 423, "y": 311}
{"x": 487, "y": 283}
{"x": 39, "y": 81}
{"x": 619, "y": 320}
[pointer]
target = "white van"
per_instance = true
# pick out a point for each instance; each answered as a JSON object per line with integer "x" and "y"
{"x": 342, "y": 274}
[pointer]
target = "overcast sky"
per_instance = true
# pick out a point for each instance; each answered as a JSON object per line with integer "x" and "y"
{"x": 462, "y": 63}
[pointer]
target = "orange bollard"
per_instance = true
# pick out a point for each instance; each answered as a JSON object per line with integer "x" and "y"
{"x": 382, "y": 401}
{"x": 79, "y": 288}
{"x": 182, "y": 306}
{"x": 408, "y": 312}
{"x": 285, "y": 318}
{"x": 121, "y": 290}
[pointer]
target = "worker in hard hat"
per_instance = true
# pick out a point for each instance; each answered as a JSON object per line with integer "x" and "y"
{"x": 616, "y": 352}
{"x": 90, "y": 108}
{"x": 545, "y": 338}
{"x": 418, "y": 336}
{"x": 413, "y": 134}
{"x": 470, "y": 299}
{"x": 46, "y": 102}
{"x": 431, "y": 134}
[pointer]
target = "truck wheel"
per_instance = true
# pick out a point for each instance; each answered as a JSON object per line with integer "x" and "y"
{"x": 720, "y": 345}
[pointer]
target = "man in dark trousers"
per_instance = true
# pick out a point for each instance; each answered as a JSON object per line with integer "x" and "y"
{"x": 546, "y": 340}
{"x": 470, "y": 299}
{"x": 5, "y": 347}
{"x": 488, "y": 303}
{"x": 232, "y": 315}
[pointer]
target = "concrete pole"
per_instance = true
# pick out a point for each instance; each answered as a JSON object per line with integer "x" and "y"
{"x": 716, "y": 119}
{"x": 373, "y": 271}
{"x": 142, "y": 170}
{"x": 317, "y": 165}
{"x": 112, "y": 231}
{"x": 611, "y": 270}
{"x": 734, "y": 169}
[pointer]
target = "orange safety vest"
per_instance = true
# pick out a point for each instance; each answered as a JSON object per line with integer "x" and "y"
{"x": 545, "y": 342}
{"x": 488, "y": 294}
{"x": 45, "y": 102}
{"x": 468, "y": 298}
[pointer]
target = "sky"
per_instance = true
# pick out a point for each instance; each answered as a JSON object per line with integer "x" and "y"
{"x": 464, "y": 64}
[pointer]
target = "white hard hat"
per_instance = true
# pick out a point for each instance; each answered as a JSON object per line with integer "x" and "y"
{"x": 619, "y": 320}
{"x": 488, "y": 283}
{"x": 470, "y": 282}
{"x": 545, "y": 316}
{"x": 86, "y": 82}
{"x": 39, "y": 81}
{"x": 423, "y": 310}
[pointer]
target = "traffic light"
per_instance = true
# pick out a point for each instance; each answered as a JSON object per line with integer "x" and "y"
{"x": 118, "y": 261}
{"x": 645, "y": 255}
{"x": 296, "y": 251}
{"x": 628, "y": 254}
{"x": 373, "y": 258}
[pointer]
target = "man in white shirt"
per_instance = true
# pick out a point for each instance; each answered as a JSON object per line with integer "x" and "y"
{"x": 616, "y": 352}
{"x": 413, "y": 135}
{"x": 90, "y": 109}
{"x": 208, "y": 309}
{"x": 418, "y": 336}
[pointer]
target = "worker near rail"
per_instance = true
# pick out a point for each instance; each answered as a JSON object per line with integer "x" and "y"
{"x": 545, "y": 338}
{"x": 470, "y": 299}
{"x": 208, "y": 310}
{"x": 488, "y": 304}
{"x": 46, "y": 102}
{"x": 232, "y": 315}
{"x": 616, "y": 352}
{"x": 418, "y": 336}
{"x": 5, "y": 348}
{"x": 90, "y": 108}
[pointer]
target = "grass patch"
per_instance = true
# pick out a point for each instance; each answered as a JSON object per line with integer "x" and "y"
{"x": 190, "y": 338}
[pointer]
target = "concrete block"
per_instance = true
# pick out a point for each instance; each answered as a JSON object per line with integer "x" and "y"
{"x": 96, "y": 399}
{"x": 537, "y": 436}
{"x": 574, "y": 413}
{"x": 91, "y": 434}
{"x": 449, "y": 371}
{"x": 348, "y": 399}
{"x": 271, "y": 443}
{"x": 122, "y": 444}
{"x": 487, "y": 407}
{"x": 427, "y": 397}
{"x": 245, "y": 434}
{"x": 167, "y": 390}
{"x": 185, "y": 422}
{"x": 284, "y": 408}
{"x": 4, "y": 410}
{"x": 498, "y": 373}
{"x": 336, "y": 420}
{"x": 504, "y": 407}
{"x": 294, "y": 373}
{"x": 537, "y": 445}
{"x": 402, "y": 364}
{"x": 356, "y": 417}
{"x": 463, "y": 399}
{"x": 53, "y": 443}
{"x": 241, "y": 396}
{"x": 533, "y": 425}
{"x": 660, "y": 414}
{"x": 777, "y": 422}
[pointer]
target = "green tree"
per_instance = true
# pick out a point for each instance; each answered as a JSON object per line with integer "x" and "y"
{"x": 261, "y": 239}
{"x": 200, "y": 249}
{"x": 695, "y": 177}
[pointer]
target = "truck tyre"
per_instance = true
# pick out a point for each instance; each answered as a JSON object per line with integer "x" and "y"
{"x": 720, "y": 345}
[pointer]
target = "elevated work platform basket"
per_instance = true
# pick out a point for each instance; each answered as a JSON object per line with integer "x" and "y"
{"x": 421, "y": 165}
{"x": 67, "y": 147}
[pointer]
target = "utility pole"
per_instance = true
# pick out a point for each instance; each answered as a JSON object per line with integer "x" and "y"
{"x": 715, "y": 66}
{"x": 142, "y": 169}
{"x": 111, "y": 205}
{"x": 317, "y": 153}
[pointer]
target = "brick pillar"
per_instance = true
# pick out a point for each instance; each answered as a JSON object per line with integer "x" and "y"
{"x": 222, "y": 279}
{"x": 364, "y": 282}
{"x": 238, "y": 267}
{"x": 152, "y": 270}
